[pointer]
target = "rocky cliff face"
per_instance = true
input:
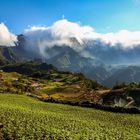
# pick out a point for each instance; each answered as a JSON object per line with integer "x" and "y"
{"x": 123, "y": 98}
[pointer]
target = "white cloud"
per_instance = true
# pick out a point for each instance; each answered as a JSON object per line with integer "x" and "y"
{"x": 6, "y": 37}
{"x": 126, "y": 38}
{"x": 83, "y": 39}
{"x": 62, "y": 31}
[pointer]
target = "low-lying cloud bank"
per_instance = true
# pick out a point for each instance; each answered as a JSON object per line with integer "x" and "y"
{"x": 109, "y": 47}
{"x": 6, "y": 37}
{"x": 118, "y": 46}
{"x": 61, "y": 32}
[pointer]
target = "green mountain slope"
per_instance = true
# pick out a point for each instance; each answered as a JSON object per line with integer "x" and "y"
{"x": 46, "y": 83}
{"x": 7, "y": 56}
{"x": 22, "y": 117}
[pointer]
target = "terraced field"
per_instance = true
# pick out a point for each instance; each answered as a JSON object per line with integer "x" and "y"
{"x": 24, "y": 117}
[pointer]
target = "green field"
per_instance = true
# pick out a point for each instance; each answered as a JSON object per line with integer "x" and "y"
{"x": 25, "y": 118}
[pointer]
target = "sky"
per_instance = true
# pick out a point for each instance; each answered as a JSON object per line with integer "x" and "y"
{"x": 103, "y": 15}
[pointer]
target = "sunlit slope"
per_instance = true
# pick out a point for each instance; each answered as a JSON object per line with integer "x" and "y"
{"x": 27, "y": 118}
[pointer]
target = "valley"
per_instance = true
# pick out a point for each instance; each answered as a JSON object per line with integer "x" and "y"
{"x": 46, "y": 83}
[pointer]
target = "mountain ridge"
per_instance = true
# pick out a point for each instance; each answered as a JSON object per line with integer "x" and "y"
{"x": 66, "y": 58}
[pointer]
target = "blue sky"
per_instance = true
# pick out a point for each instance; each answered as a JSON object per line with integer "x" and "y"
{"x": 103, "y": 15}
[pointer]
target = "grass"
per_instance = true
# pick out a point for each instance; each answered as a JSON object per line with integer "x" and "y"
{"x": 60, "y": 95}
{"x": 27, "y": 118}
{"x": 51, "y": 87}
